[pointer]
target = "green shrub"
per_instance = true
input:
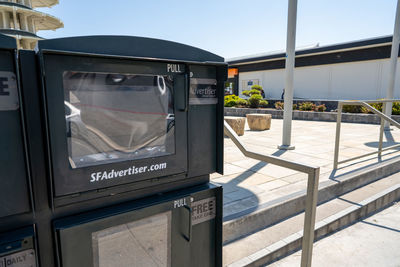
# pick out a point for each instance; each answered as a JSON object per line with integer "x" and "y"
{"x": 279, "y": 105}
{"x": 230, "y": 100}
{"x": 246, "y": 92}
{"x": 306, "y": 106}
{"x": 254, "y": 100}
{"x": 320, "y": 108}
{"x": 352, "y": 109}
{"x": 251, "y": 92}
{"x": 294, "y": 107}
{"x": 263, "y": 103}
{"x": 378, "y": 106}
{"x": 255, "y": 92}
{"x": 241, "y": 102}
{"x": 365, "y": 110}
{"x": 233, "y": 100}
{"x": 257, "y": 87}
{"x": 396, "y": 108}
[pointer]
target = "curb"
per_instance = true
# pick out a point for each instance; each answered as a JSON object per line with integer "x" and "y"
{"x": 246, "y": 222}
{"x": 330, "y": 224}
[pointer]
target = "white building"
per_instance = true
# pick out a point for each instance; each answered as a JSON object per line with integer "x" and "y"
{"x": 355, "y": 70}
{"x": 19, "y": 19}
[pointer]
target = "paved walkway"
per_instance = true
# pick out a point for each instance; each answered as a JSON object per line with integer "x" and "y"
{"x": 372, "y": 242}
{"x": 249, "y": 183}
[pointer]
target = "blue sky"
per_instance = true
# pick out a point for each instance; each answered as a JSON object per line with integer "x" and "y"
{"x": 228, "y": 28}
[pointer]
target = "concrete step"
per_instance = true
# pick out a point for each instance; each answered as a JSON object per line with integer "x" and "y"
{"x": 370, "y": 242}
{"x": 253, "y": 219}
{"x": 271, "y": 243}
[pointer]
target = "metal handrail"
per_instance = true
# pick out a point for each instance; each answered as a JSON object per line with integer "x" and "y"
{"x": 312, "y": 190}
{"x": 384, "y": 117}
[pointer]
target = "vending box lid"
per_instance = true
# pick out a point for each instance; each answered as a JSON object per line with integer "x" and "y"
{"x": 7, "y": 42}
{"x": 129, "y": 46}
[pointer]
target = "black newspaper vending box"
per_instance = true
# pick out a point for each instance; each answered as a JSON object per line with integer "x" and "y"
{"x": 13, "y": 171}
{"x": 177, "y": 229}
{"x": 126, "y": 113}
{"x": 123, "y": 133}
{"x": 16, "y": 225}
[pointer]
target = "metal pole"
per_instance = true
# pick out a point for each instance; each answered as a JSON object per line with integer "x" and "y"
{"x": 289, "y": 66}
{"x": 337, "y": 137}
{"x": 309, "y": 219}
{"x": 393, "y": 63}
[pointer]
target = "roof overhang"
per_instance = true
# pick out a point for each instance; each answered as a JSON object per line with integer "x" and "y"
{"x": 44, "y": 3}
{"x": 18, "y": 34}
{"x": 356, "y": 45}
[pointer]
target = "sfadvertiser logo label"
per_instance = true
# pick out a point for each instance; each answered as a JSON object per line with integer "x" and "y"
{"x": 106, "y": 175}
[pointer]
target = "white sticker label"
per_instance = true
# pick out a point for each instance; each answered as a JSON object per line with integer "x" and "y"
{"x": 203, "y": 210}
{"x": 9, "y": 99}
{"x": 203, "y": 92}
{"x": 24, "y": 258}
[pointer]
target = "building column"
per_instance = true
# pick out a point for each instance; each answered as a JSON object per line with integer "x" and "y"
{"x": 6, "y": 19}
{"x": 32, "y": 45}
{"x": 30, "y": 25}
{"x": 15, "y": 19}
{"x": 24, "y": 44}
{"x": 3, "y": 19}
{"x": 33, "y": 26}
{"x": 23, "y": 22}
{"x": 18, "y": 42}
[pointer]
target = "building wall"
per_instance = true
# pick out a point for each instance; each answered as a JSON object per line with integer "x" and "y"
{"x": 355, "y": 80}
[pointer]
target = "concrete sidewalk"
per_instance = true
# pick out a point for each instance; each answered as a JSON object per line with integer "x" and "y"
{"x": 374, "y": 241}
{"x": 249, "y": 183}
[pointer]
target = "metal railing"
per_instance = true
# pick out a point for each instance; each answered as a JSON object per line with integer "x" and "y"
{"x": 312, "y": 190}
{"x": 383, "y": 117}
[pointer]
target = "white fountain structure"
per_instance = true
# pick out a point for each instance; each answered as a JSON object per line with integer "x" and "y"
{"x": 19, "y": 19}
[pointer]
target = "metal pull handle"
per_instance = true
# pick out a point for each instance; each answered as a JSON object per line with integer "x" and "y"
{"x": 189, "y": 237}
{"x": 182, "y": 92}
{"x": 186, "y": 92}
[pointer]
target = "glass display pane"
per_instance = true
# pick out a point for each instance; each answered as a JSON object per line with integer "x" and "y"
{"x": 115, "y": 117}
{"x": 146, "y": 242}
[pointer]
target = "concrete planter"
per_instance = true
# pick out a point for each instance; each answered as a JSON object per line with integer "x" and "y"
{"x": 310, "y": 115}
{"x": 237, "y": 124}
{"x": 259, "y": 122}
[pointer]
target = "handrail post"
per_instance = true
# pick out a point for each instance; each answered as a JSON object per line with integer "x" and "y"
{"x": 337, "y": 137}
{"x": 384, "y": 119}
{"x": 381, "y": 129}
{"x": 309, "y": 218}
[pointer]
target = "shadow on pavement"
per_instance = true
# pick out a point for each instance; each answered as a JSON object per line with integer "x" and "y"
{"x": 382, "y": 226}
{"x": 389, "y": 141}
{"x": 241, "y": 193}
